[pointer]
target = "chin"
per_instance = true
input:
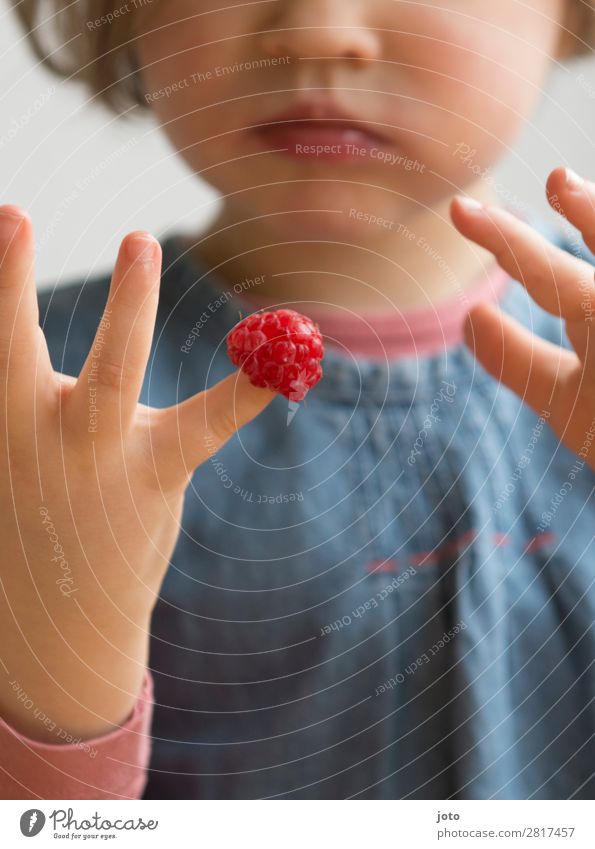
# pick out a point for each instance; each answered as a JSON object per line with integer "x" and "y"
{"x": 315, "y": 226}
{"x": 326, "y": 210}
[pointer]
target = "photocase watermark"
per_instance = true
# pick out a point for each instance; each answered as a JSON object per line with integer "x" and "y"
{"x": 66, "y": 821}
{"x": 115, "y": 14}
{"x": 96, "y": 350}
{"x": 66, "y": 581}
{"x": 445, "y": 395}
{"x": 17, "y": 124}
{"x": 49, "y": 723}
{"x": 32, "y": 822}
{"x": 585, "y": 283}
{"x": 213, "y": 74}
{"x": 214, "y": 306}
{"x": 467, "y": 156}
{"x": 558, "y": 498}
{"x": 94, "y": 827}
{"x": 426, "y": 657}
{"x": 227, "y": 482}
{"x": 524, "y": 461}
{"x": 370, "y": 604}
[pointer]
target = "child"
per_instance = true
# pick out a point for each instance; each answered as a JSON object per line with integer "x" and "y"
{"x": 388, "y": 591}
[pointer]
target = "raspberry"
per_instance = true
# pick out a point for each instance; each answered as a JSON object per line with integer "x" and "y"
{"x": 281, "y": 350}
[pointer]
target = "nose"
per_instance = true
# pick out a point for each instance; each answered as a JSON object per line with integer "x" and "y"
{"x": 321, "y": 29}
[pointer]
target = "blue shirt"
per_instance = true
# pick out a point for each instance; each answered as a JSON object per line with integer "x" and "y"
{"x": 391, "y": 596}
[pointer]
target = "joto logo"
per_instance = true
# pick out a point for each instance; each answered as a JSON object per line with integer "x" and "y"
{"x": 32, "y": 822}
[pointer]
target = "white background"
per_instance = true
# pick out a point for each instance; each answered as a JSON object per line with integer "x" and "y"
{"x": 87, "y": 178}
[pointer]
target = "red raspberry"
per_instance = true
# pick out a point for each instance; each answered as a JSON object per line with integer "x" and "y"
{"x": 281, "y": 350}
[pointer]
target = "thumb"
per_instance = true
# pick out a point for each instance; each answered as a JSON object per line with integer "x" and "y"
{"x": 191, "y": 432}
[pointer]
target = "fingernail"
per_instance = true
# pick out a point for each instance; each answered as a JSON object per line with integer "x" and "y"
{"x": 470, "y": 204}
{"x": 142, "y": 250}
{"x": 11, "y": 219}
{"x": 573, "y": 181}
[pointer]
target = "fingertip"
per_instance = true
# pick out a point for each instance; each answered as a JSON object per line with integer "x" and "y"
{"x": 141, "y": 234}
{"x": 479, "y": 321}
{"x": 13, "y": 211}
{"x": 141, "y": 247}
{"x": 556, "y": 174}
{"x": 555, "y": 182}
{"x": 468, "y": 204}
{"x": 13, "y": 221}
{"x": 464, "y": 210}
{"x": 573, "y": 181}
{"x": 563, "y": 179}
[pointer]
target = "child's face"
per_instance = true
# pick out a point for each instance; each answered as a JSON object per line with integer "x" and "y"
{"x": 449, "y": 82}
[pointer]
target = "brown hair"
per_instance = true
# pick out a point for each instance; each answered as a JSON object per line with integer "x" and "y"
{"x": 80, "y": 40}
{"x": 94, "y": 44}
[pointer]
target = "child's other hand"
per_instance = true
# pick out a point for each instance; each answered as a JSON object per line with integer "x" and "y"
{"x": 92, "y": 486}
{"x": 545, "y": 376}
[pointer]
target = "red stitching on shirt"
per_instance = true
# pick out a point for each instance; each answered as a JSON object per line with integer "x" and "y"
{"x": 450, "y": 547}
{"x": 500, "y": 539}
{"x": 382, "y": 566}
{"x": 539, "y": 541}
{"x": 428, "y": 558}
{"x": 418, "y": 559}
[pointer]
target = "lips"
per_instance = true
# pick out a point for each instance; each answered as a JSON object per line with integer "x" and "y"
{"x": 316, "y": 113}
{"x": 320, "y": 130}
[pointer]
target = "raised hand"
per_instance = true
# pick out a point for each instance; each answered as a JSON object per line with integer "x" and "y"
{"x": 92, "y": 487}
{"x": 545, "y": 376}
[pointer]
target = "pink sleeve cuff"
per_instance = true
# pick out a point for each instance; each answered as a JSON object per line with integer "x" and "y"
{"x": 112, "y": 766}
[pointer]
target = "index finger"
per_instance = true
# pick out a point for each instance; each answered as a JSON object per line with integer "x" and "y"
{"x": 19, "y": 310}
{"x": 557, "y": 281}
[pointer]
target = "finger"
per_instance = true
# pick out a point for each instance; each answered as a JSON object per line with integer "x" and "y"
{"x": 109, "y": 385}
{"x": 530, "y": 366}
{"x": 191, "y": 432}
{"x": 553, "y": 278}
{"x": 574, "y": 199}
{"x": 582, "y": 338}
{"x": 19, "y": 310}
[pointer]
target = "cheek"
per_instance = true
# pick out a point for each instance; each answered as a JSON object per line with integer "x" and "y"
{"x": 193, "y": 81}
{"x": 474, "y": 78}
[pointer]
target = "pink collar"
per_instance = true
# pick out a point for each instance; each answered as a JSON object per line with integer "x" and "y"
{"x": 392, "y": 333}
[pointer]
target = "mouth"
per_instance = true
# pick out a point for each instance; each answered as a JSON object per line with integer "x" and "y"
{"x": 323, "y": 131}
